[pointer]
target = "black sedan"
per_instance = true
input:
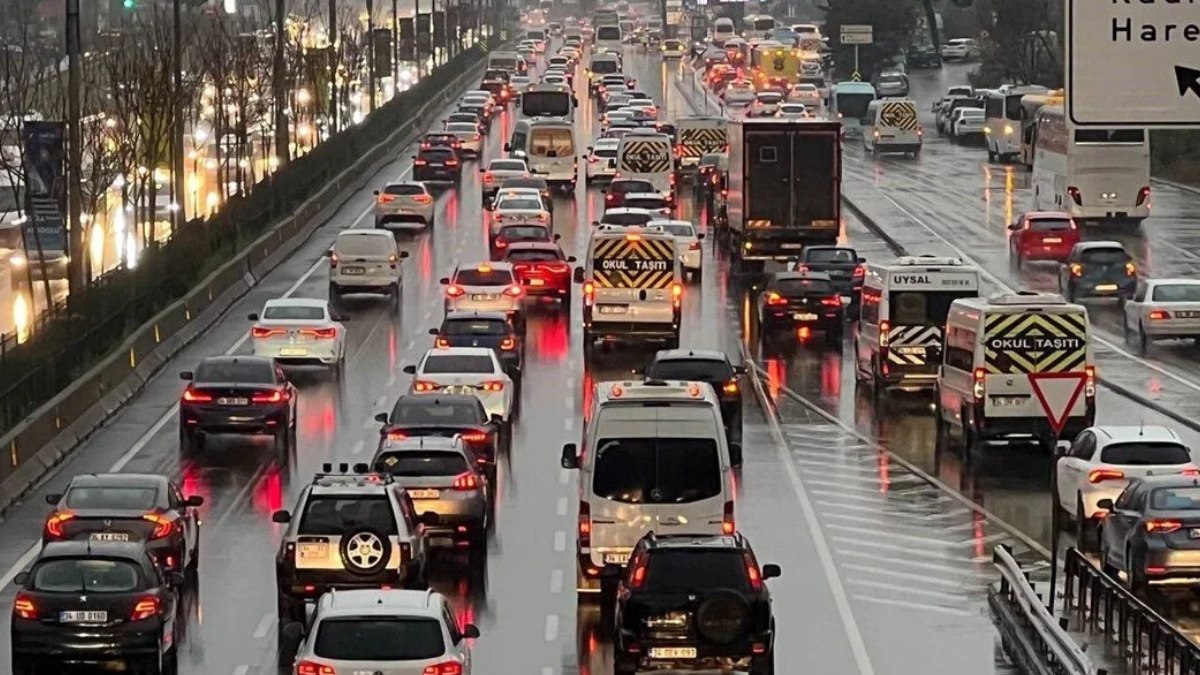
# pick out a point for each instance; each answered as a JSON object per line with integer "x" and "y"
{"x": 1152, "y": 530}
{"x": 447, "y": 415}
{"x": 244, "y": 395}
{"x": 484, "y": 329}
{"x": 713, "y": 367}
{"x": 99, "y": 604}
{"x": 438, "y": 164}
{"x": 800, "y": 303}
{"x": 121, "y": 507}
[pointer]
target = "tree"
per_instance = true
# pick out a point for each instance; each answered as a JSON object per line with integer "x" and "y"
{"x": 1022, "y": 43}
{"x": 893, "y": 22}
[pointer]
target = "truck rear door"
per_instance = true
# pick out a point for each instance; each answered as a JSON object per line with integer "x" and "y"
{"x": 814, "y": 191}
{"x": 768, "y": 158}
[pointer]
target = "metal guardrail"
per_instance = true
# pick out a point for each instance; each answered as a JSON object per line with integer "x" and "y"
{"x": 1145, "y": 640}
{"x": 1031, "y": 634}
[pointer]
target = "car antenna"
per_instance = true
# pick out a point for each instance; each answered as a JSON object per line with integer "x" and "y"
{"x": 1142, "y": 427}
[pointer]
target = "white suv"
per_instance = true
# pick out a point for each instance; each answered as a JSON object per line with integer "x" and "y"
{"x": 383, "y": 631}
{"x": 365, "y": 261}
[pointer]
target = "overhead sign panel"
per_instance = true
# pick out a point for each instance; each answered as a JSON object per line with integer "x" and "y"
{"x": 857, "y": 34}
{"x": 1133, "y": 63}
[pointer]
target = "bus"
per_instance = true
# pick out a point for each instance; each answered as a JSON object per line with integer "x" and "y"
{"x": 1031, "y": 105}
{"x": 758, "y": 27}
{"x": 548, "y": 100}
{"x": 1093, "y": 174}
{"x": 1002, "y": 120}
{"x": 848, "y": 103}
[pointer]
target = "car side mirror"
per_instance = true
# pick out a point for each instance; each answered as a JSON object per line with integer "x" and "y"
{"x": 252, "y": 317}
{"x": 1106, "y": 504}
{"x": 403, "y": 255}
{"x": 508, "y": 147}
{"x": 570, "y": 258}
{"x": 412, "y": 156}
{"x": 445, "y": 281}
{"x": 281, "y": 516}
{"x": 176, "y": 579}
{"x": 699, "y": 235}
{"x": 496, "y": 419}
{"x": 771, "y": 571}
{"x": 193, "y": 501}
{"x": 470, "y": 631}
{"x": 603, "y": 191}
{"x": 409, "y": 370}
{"x": 382, "y": 418}
{"x": 557, "y": 237}
{"x": 376, "y": 193}
{"x": 570, "y": 456}
{"x": 1013, "y": 227}
{"x": 578, "y": 278}
{"x": 595, "y": 223}
{"x": 21, "y": 579}
{"x": 328, "y": 253}
{"x": 429, "y": 519}
{"x": 739, "y": 370}
{"x": 187, "y": 376}
{"x": 54, "y": 498}
{"x": 433, "y": 331}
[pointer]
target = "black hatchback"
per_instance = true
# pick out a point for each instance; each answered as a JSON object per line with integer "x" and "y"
{"x": 437, "y": 163}
{"x": 94, "y": 603}
{"x": 713, "y": 367}
{"x": 484, "y": 329}
{"x": 801, "y": 303}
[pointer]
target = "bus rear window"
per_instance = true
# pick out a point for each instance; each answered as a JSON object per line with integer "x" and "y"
{"x": 923, "y": 308}
{"x": 1111, "y": 136}
{"x": 608, "y": 33}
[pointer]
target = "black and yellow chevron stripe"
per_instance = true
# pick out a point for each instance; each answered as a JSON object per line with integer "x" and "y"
{"x": 697, "y": 142}
{"x": 646, "y": 157}
{"x": 899, "y": 115}
{"x": 620, "y": 262}
{"x": 1035, "y": 343}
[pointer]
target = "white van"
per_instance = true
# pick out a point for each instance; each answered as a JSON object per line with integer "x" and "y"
{"x": 601, "y": 64}
{"x": 608, "y": 37}
{"x": 723, "y": 30}
{"x": 892, "y": 126}
{"x": 548, "y": 148}
{"x": 654, "y": 458}
{"x": 903, "y": 309}
{"x": 993, "y": 347}
{"x": 365, "y": 261}
{"x": 648, "y": 155}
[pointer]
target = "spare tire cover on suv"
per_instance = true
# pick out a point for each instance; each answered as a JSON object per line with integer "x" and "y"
{"x": 365, "y": 551}
{"x": 723, "y": 617}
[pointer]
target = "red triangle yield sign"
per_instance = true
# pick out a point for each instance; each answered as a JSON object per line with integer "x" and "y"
{"x": 1057, "y": 392}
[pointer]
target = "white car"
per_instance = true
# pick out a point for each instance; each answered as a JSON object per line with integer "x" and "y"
{"x": 300, "y": 331}
{"x": 468, "y": 136}
{"x": 498, "y": 171}
{"x": 673, "y": 49}
{"x": 966, "y": 123}
{"x": 1162, "y": 309}
{"x": 654, "y": 202}
{"x": 365, "y": 261}
{"x": 480, "y": 97}
{"x": 520, "y": 83}
{"x": 613, "y": 100}
{"x": 558, "y": 60}
{"x": 403, "y": 202}
{"x": 739, "y": 92}
{"x": 1102, "y": 459}
{"x": 485, "y": 287}
{"x": 792, "y": 110}
{"x": 765, "y": 104}
{"x": 960, "y": 49}
{"x": 687, "y": 244}
{"x": 519, "y": 205}
{"x": 466, "y": 371}
{"x": 608, "y": 118}
{"x": 626, "y": 217}
{"x": 805, "y": 93}
{"x": 602, "y": 159}
{"x": 644, "y": 109}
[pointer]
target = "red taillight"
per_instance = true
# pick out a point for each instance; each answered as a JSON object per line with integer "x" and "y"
{"x": 1143, "y": 195}
{"x": 885, "y": 328}
{"x": 54, "y": 524}
{"x": 488, "y": 177}
{"x": 1159, "y": 314}
{"x": 775, "y": 300}
{"x": 514, "y": 291}
{"x": 1089, "y": 382}
{"x": 273, "y": 396}
{"x": 162, "y": 525}
{"x": 441, "y": 343}
{"x": 585, "y": 525}
{"x": 444, "y": 668}
{"x": 423, "y": 199}
{"x": 728, "y": 526}
{"x": 454, "y": 290}
{"x": 424, "y": 385}
{"x": 492, "y": 385}
{"x": 396, "y": 435}
{"x": 1162, "y": 526}
{"x": 753, "y": 573}
{"x": 501, "y": 243}
{"x": 333, "y": 261}
{"x": 145, "y": 608}
{"x": 860, "y": 272}
{"x": 24, "y": 607}
{"x": 313, "y": 668}
{"x": 731, "y": 387}
{"x": 474, "y": 436}
{"x": 1076, "y": 270}
{"x": 452, "y": 162}
{"x": 589, "y": 291}
{"x": 386, "y": 199}
{"x": 1104, "y": 473}
{"x": 263, "y": 332}
{"x": 508, "y": 343}
{"x": 639, "y": 575}
{"x": 320, "y": 333}
{"x": 193, "y": 396}
{"x": 419, "y": 162}
{"x": 695, "y": 246}
{"x": 676, "y": 293}
{"x": 466, "y": 481}
{"x": 832, "y": 301}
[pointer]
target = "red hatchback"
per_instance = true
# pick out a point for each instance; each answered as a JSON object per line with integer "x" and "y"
{"x": 542, "y": 269}
{"x": 1042, "y": 235}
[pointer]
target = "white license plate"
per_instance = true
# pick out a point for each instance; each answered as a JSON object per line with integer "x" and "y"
{"x": 537, "y": 282}
{"x": 672, "y": 652}
{"x": 1009, "y": 401}
{"x": 911, "y": 350}
{"x": 616, "y": 558}
{"x": 614, "y": 309}
{"x": 464, "y": 389}
{"x": 1106, "y": 287}
{"x": 1052, "y": 240}
{"x": 1187, "y": 315}
{"x": 293, "y": 351}
{"x": 109, "y": 536}
{"x": 233, "y": 401}
{"x": 313, "y": 551}
{"x": 804, "y": 316}
{"x": 354, "y": 271}
{"x": 424, "y": 494}
{"x": 483, "y": 296}
{"x": 83, "y": 617}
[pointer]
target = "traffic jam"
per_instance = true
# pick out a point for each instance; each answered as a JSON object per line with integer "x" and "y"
{"x": 580, "y": 374}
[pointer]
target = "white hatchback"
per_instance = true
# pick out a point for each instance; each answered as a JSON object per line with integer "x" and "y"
{"x": 299, "y": 331}
{"x": 485, "y": 287}
{"x": 403, "y": 203}
{"x": 687, "y": 244}
{"x": 739, "y": 92}
{"x": 469, "y": 371}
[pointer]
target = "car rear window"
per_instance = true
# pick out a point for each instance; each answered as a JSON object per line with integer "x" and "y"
{"x": 831, "y": 255}
{"x": 678, "y": 230}
{"x": 294, "y": 313}
{"x": 535, "y": 232}
{"x": 467, "y": 127}
{"x": 627, "y": 186}
{"x": 1105, "y": 256}
{"x": 626, "y": 219}
{"x": 672, "y": 571}
{"x": 507, "y": 165}
{"x": 475, "y": 277}
{"x": 769, "y": 97}
{"x": 475, "y": 327}
{"x": 111, "y": 498}
{"x": 645, "y": 202}
{"x": 332, "y": 515}
{"x": 700, "y": 370}
{"x": 85, "y": 576}
{"x": 410, "y": 410}
{"x": 437, "y": 154}
{"x": 533, "y": 255}
{"x": 606, "y": 151}
{"x": 1145, "y": 453}
{"x": 657, "y": 470}
{"x": 1185, "y": 498}
{"x": 1049, "y": 224}
{"x": 404, "y": 189}
{"x": 1177, "y": 293}
{"x": 922, "y": 308}
{"x": 415, "y": 463}
{"x": 458, "y": 363}
{"x": 793, "y": 287}
{"x": 245, "y": 372}
{"x": 379, "y": 639}
{"x": 520, "y": 204}
{"x": 363, "y": 244}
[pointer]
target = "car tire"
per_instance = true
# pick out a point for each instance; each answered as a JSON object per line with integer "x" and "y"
{"x": 394, "y": 296}
{"x": 288, "y": 611}
{"x": 735, "y": 455}
{"x": 1070, "y": 292}
{"x": 335, "y": 297}
{"x": 763, "y": 665}
{"x": 624, "y": 665}
{"x": 1135, "y": 570}
{"x": 1143, "y": 341}
{"x": 189, "y": 441}
{"x": 24, "y": 665}
{"x": 1105, "y": 566}
{"x": 1085, "y": 528}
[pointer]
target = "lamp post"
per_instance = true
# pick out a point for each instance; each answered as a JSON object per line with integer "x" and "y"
{"x": 371, "y": 56}
{"x": 278, "y": 85}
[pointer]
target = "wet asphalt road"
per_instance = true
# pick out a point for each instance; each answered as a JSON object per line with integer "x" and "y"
{"x": 884, "y": 571}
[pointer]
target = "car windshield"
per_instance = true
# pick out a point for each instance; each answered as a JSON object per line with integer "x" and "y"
{"x": 924, "y": 308}
{"x": 526, "y": 232}
{"x": 675, "y": 570}
{"x": 336, "y": 515}
{"x": 606, "y": 151}
{"x": 1176, "y": 293}
{"x": 699, "y": 370}
{"x": 246, "y": 372}
{"x": 294, "y": 313}
{"x": 111, "y": 498}
{"x": 520, "y": 204}
{"x": 843, "y": 256}
{"x": 794, "y": 287}
{"x": 1186, "y": 498}
{"x": 85, "y": 576}
{"x": 657, "y": 470}
{"x": 363, "y": 244}
{"x": 413, "y": 463}
{"x": 389, "y": 638}
{"x": 475, "y": 277}
{"x": 475, "y": 327}
{"x": 414, "y": 411}
{"x": 1105, "y": 256}
{"x": 506, "y": 165}
{"x": 457, "y": 363}
{"x": 1145, "y": 453}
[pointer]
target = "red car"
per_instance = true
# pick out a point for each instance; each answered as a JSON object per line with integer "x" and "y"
{"x": 614, "y": 194}
{"x": 1042, "y": 235}
{"x": 542, "y": 269}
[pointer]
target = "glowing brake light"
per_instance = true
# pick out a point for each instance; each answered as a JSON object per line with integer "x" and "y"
{"x": 274, "y": 396}
{"x": 1104, "y": 473}
{"x": 320, "y": 333}
{"x": 466, "y": 481}
{"x": 1076, "y": 270}
{"x": 193, "y": 396}
{"x": 1089, "y": 383}
{"x": 1159, "y": 315}
{"x": 753, "y": 573}
{"x": 885, "y": 327}
{"x": 311, "y": 668}
{"x": 728, "y": 525}
{"x": 488, "y": 177}
{"x": 775, "y": 300}
{"x": 396, "y": 435}
{"x": 832, "y": 301}
{"x": 860, "y": 272}
{"x": 54, "y": 524}
{"x": 474, "y": 436}
{"x": 731, "y": 387}
{"x": 978, "y": 388}
{"x": 423, "y": 199}
{"x": 1143, "y": 195}
{"x": 24, "y": 607}
{"x": 441, "y": 343}
{"x": 1162, "y": 526}
{"x": 386, "y": 199}
{"x": 639, "y": 575}
{"x": 492, "y": 385}
{"x": 162, "y": 525}
{"x": 1131, "y": 269}
{"x": 513, "y": 291}
{"x": 145, "y": 608}
{"x": 264, "y": 332}
{"x": 424, "y": 385}
{"x": 454, "y": 291}
{"x": 508, "y": 343}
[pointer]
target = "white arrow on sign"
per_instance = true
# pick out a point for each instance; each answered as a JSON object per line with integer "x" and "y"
{"x": 1057, "y": 392}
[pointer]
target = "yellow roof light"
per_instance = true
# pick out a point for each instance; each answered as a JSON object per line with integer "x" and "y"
{"x": 484, "y": 267}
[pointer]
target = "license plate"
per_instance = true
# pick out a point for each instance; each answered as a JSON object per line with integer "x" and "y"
{"x": 1009, "y": 401}
{"x": 424, "y": 494}
{"x": 435, "y": 165}
{"x": 672, "y": 652}
{"x": 1106, "y": 287}
{"x": 910, "y": 350}
{"x": 483, "y": 296}
{"x": 613, "y": 309}
{"x": 83, "y": 617}
{"x": 463, "y": 389}
{"x": 313, "y": 551}
{"x": 804, "y": 316}
{"x": 537, "y": 282}
{"x": 354, "y": 270}
{"x": 233, "y": 401}
{"x": 1052, "y": 240}
{"x": 109, "y": 536}
{"x": 293, "y": 351}
{"x": 616, "y": 558}
{"x": 1187, "y": 315}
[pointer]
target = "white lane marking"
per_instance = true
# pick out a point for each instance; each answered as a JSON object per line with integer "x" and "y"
{"x": 568, "y": 423}
{"x": 561, "y": 508}
{"x": 19, "y": 566}
{"x": 547, "y": 670}
{"x": 556, "y": 581}
{"x": 564, "y": 476}
{"x": 141, "y": 442}
{"x": 264, "y": 625}
{"x": 907, "y": 590}
{"x": 570, "y": 401}
{"x": 241, "y": 670}
{"x": 570, "y": 381}
{"x": 560, "y": 541}
{"x": 960, "y": 569}
{"x": 391, "y": 380}
{"x": 410, "y": 345}
{"x": 910, "y": 576}
{"x": 358, "y": 446}
{"x": 905, "y": 549}
{"x": 551, "y": 627}
{"x": 914, "y": 605}
{"x": 885, "y": 532}
{"x": 380, "y": 401}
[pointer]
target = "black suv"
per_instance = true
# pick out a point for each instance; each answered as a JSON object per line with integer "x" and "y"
{"x": 437, "y": 163}
{"x": 713, "y": 367}
{"x": 689, "y": 602}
